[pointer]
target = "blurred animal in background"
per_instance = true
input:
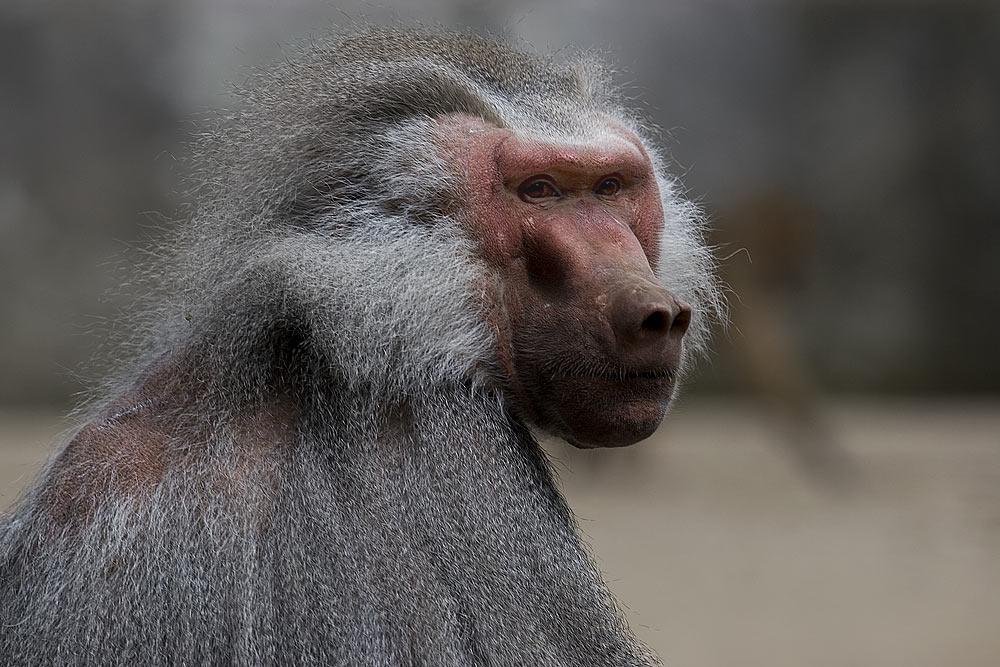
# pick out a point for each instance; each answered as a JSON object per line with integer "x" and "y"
{"x": 407, "y": 250}
{"x": 778, "y": 233}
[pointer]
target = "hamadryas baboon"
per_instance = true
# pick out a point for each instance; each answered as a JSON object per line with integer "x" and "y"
{"x": 409, "y": 250}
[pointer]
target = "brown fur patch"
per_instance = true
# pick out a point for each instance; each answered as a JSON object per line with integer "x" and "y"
{"x": 130, "y": 449}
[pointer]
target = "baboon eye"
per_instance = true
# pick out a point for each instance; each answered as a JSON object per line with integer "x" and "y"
{"x": 538, "y": 189}
{"x": 608, "y": 188}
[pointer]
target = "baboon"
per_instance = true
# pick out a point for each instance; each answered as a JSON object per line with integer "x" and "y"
{"x": 779, "y": 233}
{"x": 409, "y": 250}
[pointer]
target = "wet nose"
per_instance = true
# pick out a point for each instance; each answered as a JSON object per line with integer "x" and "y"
{"x": 648, "y": 315}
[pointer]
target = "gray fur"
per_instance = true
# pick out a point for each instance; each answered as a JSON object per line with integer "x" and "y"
{"x": 411, "y": 519}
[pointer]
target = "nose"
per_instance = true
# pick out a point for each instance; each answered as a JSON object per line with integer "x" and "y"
{"x": 646, "y": 315}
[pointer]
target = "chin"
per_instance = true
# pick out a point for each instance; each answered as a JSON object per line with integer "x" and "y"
{"x": 618, "y": 424}
{"x": 612, "y": 434}
{"x": 591, "y": 411}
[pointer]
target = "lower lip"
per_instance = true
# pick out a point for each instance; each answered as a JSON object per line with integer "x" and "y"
{"x": 636, "y": 387}
{"x": 653, "y": 376}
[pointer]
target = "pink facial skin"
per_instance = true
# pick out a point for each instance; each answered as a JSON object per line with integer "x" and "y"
{"x": 589, "y": 342}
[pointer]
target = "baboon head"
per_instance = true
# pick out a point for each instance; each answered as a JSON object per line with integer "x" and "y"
{"x": 591, "y": 343}
{"x": 479, "y": 184}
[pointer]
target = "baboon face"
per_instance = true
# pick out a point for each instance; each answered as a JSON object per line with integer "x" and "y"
{"x": 589, "y": 341}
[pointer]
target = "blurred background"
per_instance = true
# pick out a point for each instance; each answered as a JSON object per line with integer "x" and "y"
{"x": 828, "y": 490}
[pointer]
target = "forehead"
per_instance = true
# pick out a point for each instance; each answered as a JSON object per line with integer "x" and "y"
{"x": 605, "y": 149}
{"x": 601, "y": 144}
{"x": 597, "y": 131}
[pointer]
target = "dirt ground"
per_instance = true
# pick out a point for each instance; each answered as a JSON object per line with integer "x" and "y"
{"x": 725, "y": 550}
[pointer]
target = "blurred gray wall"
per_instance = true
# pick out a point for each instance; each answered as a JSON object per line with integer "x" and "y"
{"x": 851, "y": 148}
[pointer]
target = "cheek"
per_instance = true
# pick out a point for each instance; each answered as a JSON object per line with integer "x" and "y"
{"x": 496, "y": 232}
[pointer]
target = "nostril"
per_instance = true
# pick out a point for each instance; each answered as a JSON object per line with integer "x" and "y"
{"x": 682, "y": 320}
{"x": 667, "y": 321}
{"x": 656, "y": 322}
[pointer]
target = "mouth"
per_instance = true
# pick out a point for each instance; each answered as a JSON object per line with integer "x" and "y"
{"x": 656, "y": 374}
{"x": 625, "y": 374}
{"x": 621, "y": 391}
